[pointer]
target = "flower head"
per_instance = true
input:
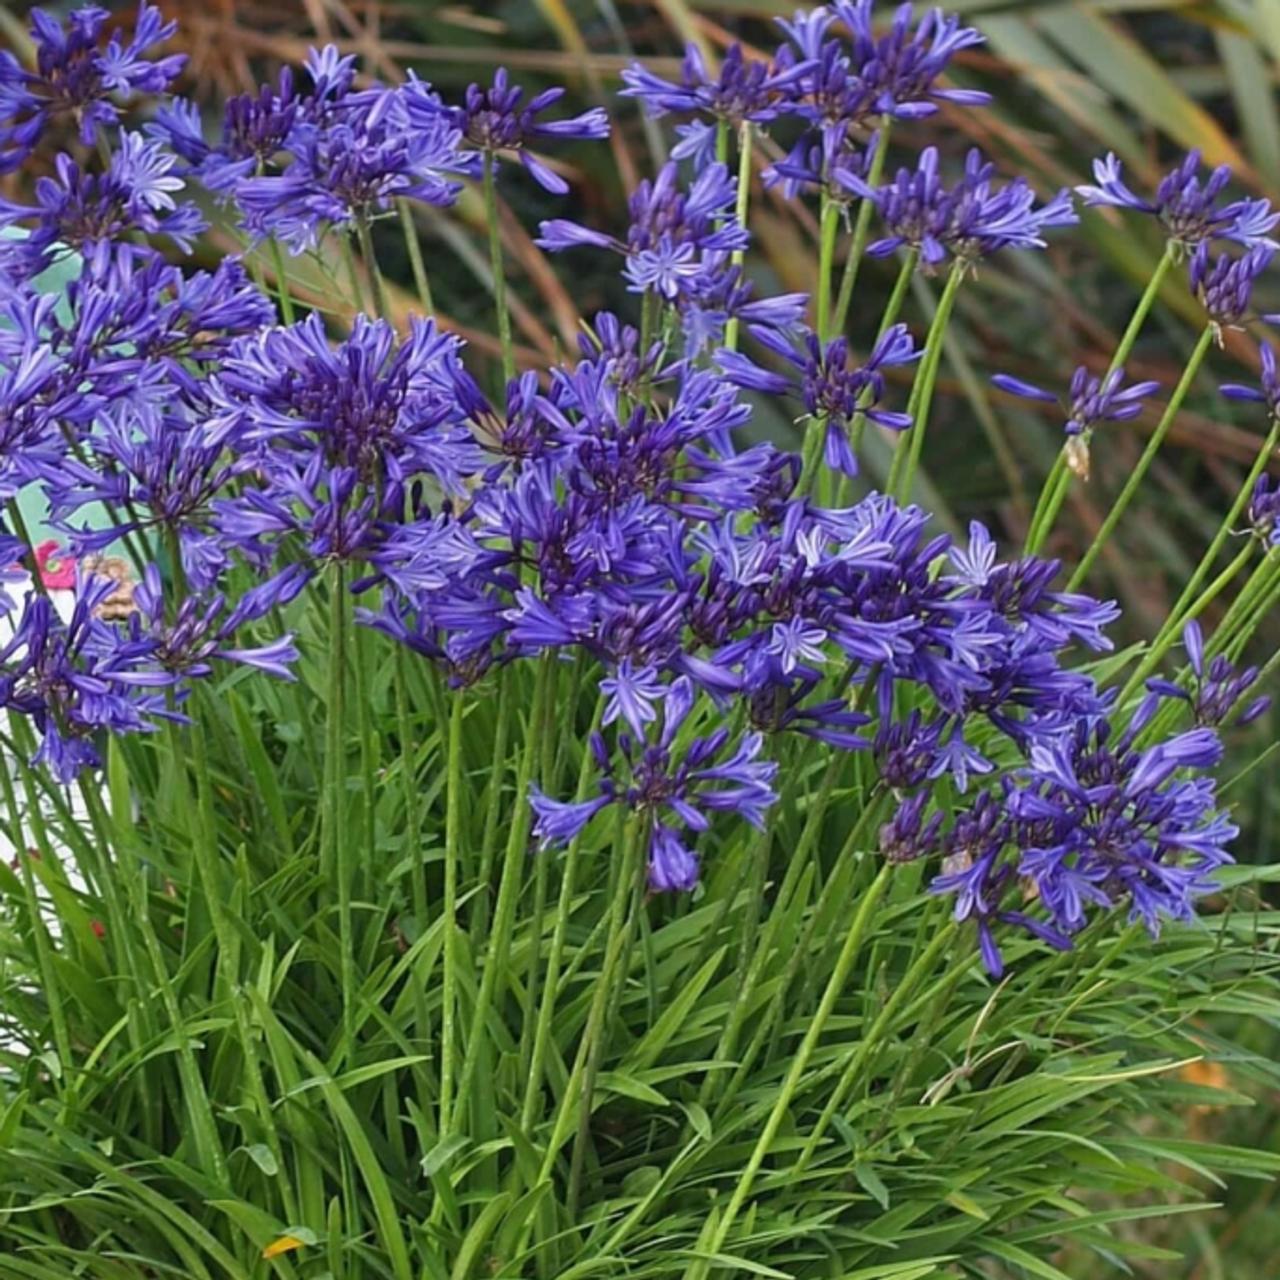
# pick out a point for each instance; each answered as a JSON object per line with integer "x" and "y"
{"x": 970, "y": 220}
{"x": 498, "y": 119}
{"x": 1186, "y": 206}
{"x": 742, "y": 89}
{"x": 678, "y": 239}
{"x": 78, "y": 78}
{"x": 1091, "y": 401}
{"x": 1224, "y": 284}
{"x": 94, "y": 213}
{"x": 352, "y": 160}
{"x": 832, "y": 389}
{"x": 1268, "y": 390}
{"x": 676, "y": 787}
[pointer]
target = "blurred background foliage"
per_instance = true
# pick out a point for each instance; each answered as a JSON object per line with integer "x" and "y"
{"x": 1142, "y": 78}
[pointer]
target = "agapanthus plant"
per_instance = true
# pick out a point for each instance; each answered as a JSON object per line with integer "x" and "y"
{"x": 525, "y": 819}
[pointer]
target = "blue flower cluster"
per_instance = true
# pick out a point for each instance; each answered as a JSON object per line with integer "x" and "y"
{"x": 605, "y": 508}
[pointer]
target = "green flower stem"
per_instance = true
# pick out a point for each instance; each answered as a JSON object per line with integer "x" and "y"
{"x": 870, "y": 1042}
{"x": 1049, "y": 503}
{"x": 650, "y": 310}
{"x": 335, "y": 842}
{"x": 195, "y": 1097}
{"x": 1227, "y": 526}
{"x": 861, "y": 230}
{"x": 496, "y": 263}
{"x": 799, "y": 1065}
{"x": 576, "y": 1094}
{"x": 551, "y": 979}
{"x": 508, "y": 696}
{"x": 369, "y": 740}
{"x": 495, "y": 966}
{"x": 810, "y": 451}
{"x": 554, "y": 704}
{"x": 829, "y": 232}
{"x": 1172, "y": 630}
{"x": 282, "y": 281}
{"x": 44, "y": 948}
{"x": 1256, "y": 587}
{"x": 892, "y": 310}
{"x": 622, "y": 923}
{"x": 768, "y": 1018}
{"x": 203, "y": 821}
{"x": 1249, "y": 611}
{"x": 1144, "y": 462}
{"x": 910, "y": 443}
{"x": 414, "y": 246}
{"x": 744, "y": 197}
{"x": 365, "y": 233}
{"x": 1054, "y": 493}
{"x": 796, "y": 864}
{"x": 1253, "y": 603}
{"x": 353, "y": 274}
{"x": 14, "y": 512}
{"x": 412, "y": 828}
{"x": 452, "y": 840}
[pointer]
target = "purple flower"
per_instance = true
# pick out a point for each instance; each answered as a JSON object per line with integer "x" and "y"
{"x": 1264, "y": 509}
{"x": 353, "y": 160}
{"x": 381, "y": 406}
{"x": 1224, "y": 284}
{"x": 833, "y": 390}
{"x": 76, "y": 78}
{"x": 1091, "y": 400}
{"x": 631, "y": 693}
{"x": 907, "y": 835}
{"x": 199, "y": 628}
{"x": 970, "y": 220}
{"x": 497, "y": 120}
{"x": 675, "y": 789}
{"x": 677, "y": 239}
{"x": 823, "y": 160}
{"x": 77, "y": 679}
{"x": 1185, "y": 206}
{"x": 256, "y": 128}
{"x": 32, "y": 398}
{"x": 847, "y": 83}
{"x": 93, "y": 212}
{"x": 898, "y": 72}
{"x": 1268, "y": 392}
{"x": 742, "y": 90}
{"x": 1218, "y": 687}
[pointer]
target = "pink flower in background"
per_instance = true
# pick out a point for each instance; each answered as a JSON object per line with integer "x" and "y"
{"x": 57, "y": 570}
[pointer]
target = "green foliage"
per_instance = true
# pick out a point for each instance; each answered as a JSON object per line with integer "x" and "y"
{"x": 220, "y": 1096}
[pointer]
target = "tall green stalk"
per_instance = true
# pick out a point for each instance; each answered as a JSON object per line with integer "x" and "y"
{"x": 622, "y": 923}
{"x": 452, "y": 852}
{"x": 551, "y": 978}
{"x": 495, "y": 975}
{"x": 799, "y": 1065}
{"x": 740, "y": 213}
{"x": 829, "y": 231}
{"x": 365, "y": 233}
{"x": 335, "y": 841}
{"x": 414, "y": 247}
{"x": 910, "y": 443}
{"x": 579, "y": 1087}
{"x": 497, "y": 267}
{"x": 861, "y": 229}
{"x": 1225, "y": 530}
